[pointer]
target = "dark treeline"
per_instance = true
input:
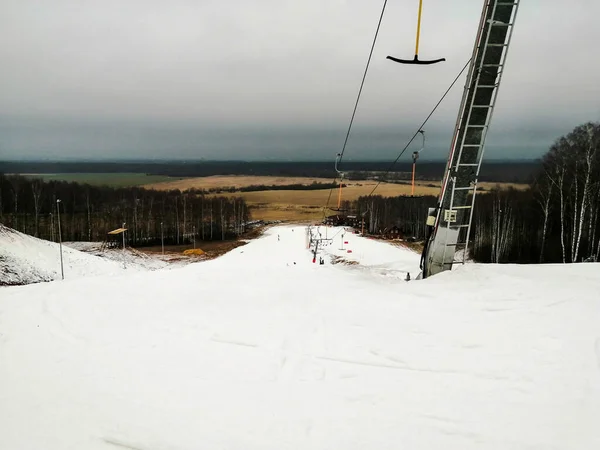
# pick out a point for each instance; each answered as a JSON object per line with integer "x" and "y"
{"x": 290, "y": 187}
{"x": 263, "y": 187}
{"x": 557, "y": 219}
{"x": 406, "y": 213}
{"x": 509, "y": 171}
{"x": 89, "y": 212}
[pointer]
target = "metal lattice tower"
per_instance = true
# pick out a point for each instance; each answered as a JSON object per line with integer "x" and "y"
{"x": 451, "y": 222}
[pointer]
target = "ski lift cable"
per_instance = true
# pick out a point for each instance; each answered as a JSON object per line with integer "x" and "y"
{"x": 338, "y": 232}
{"x": 387, "y": 171}
{"x": 362, "y": 83}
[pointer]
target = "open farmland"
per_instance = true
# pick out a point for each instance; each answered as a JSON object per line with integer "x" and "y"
{"x": 303, "y": 205}
{"x": 291, "y": 204}
{"x": 308, "y": 205}
{"x": 239, "y": 181}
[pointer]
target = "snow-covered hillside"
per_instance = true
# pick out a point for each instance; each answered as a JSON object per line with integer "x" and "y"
{"x": 263, "y": 349}
{"x": 129, "y": 257}
{"x": 25, "y": 259}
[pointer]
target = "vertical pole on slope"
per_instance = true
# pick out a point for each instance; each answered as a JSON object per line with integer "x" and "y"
{"x": 415, "y": 156}
{"x": 162, "y": 239}
{"x": 194, "y": 231}
{"x": 412, "y": 189}
{"x": 362, "y": 231}
{"x": 52, "y": 236}
{"x": 62, "y": 270}
{"x": 123, "y": 237}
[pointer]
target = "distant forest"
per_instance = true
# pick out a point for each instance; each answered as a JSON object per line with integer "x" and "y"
{"x": 88, "y": 212}
{"x": 314, "y": 186}
{"x": 510, "y": 171}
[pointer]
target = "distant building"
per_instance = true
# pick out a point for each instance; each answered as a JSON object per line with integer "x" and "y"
{"x": 393, "y": 233}
{"x": 114, "y": 239}
{"x": 340, "y": 220}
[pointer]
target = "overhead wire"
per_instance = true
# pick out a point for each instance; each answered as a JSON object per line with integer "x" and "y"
{"x": 387, "y": 171}
{"x": 341, "y": 155}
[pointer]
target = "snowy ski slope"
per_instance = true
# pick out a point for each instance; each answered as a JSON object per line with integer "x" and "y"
{"x": 262, "y": 349}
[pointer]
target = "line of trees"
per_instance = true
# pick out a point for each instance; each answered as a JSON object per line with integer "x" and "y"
{"x": 88, "y": 212}
{"x": 494, "y": 171}
{"x": 506, "y": 228}
{"x": 267, "y": 187}
{"x": 406, "y": 213}
{"x": 557, "y": 219}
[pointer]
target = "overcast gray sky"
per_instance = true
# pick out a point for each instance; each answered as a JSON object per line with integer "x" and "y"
{"x": 277, "y": 79}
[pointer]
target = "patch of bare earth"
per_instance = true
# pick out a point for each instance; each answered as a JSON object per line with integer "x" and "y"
{"x": 212, "y": 249}
{"x": 346, "y": 262}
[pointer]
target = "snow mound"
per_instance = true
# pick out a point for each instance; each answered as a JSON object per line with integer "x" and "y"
{"x": 25, "y": 259}
{"x": 130, "y": 257}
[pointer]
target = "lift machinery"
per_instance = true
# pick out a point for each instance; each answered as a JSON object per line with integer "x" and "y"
{"x": 449, "y": 223}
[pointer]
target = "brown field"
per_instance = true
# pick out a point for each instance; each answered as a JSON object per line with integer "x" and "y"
{"x": 297, "y": 205}
{"x": 308, "y": 205}
{"x": 212, "y": 249}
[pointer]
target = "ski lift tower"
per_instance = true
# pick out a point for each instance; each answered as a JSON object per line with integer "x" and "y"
{"x": 449, "y": 223}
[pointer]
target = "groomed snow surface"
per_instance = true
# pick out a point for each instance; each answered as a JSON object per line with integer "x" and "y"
{"x": 262, "y": 349}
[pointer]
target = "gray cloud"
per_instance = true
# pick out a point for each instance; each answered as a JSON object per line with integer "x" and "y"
{"x": 275, "y": 77}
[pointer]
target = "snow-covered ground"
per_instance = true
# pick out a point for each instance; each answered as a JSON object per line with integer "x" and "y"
{"x": 262, "y": 349}
{"x": 129, "y": 257}
{"x": 25, "y": 259}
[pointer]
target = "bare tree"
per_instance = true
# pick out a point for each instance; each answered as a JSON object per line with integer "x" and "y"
{"x": 184, "y": 214}
{"x": 584, "y": 137}
{"x": 543, "y": 198}
{"x": 222, "y": 222}
{"x": 89, "y": 218}
{"x": 211, "y": 220}
{"x": 202, "y": 214}
{"x": 15, "y": 184}
{"x": 555, "y": 168}
{"x": 37, "y": 187}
